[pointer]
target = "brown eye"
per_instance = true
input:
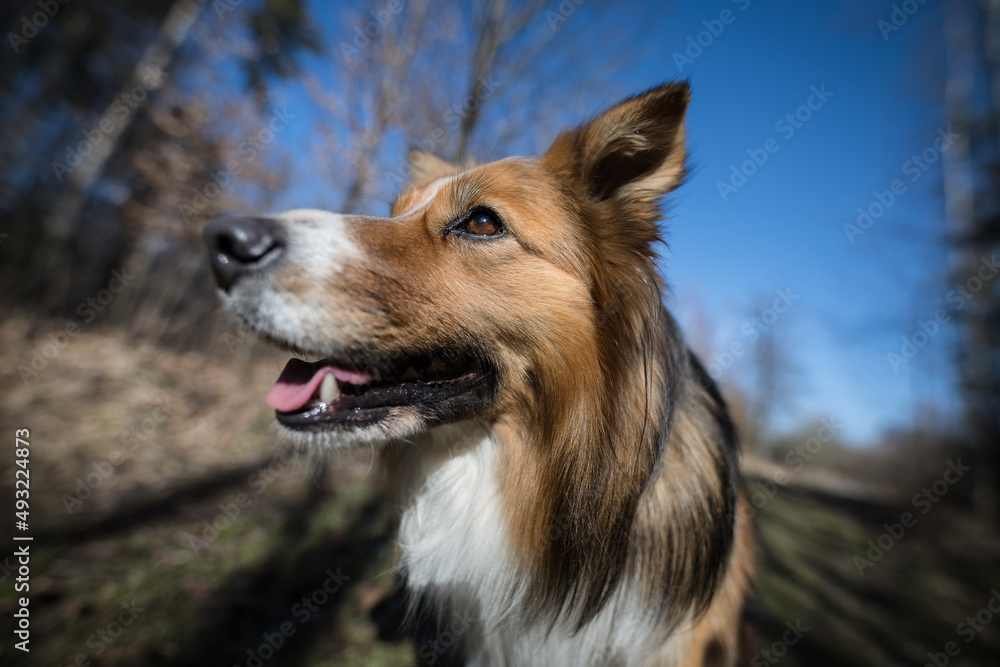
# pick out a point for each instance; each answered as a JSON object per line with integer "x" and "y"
{"x": 481, "y": 222}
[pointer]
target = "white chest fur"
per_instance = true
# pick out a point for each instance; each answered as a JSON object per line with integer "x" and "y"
{"x": 453, "y": 541}
{"x": 452, "y": 532}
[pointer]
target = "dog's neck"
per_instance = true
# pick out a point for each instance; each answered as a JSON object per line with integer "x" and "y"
{"x": 453, "y": 531}
{"x": 553, "y": 500}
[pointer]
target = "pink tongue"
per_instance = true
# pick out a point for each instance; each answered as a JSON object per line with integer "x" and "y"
{"x": 300, "y": 380}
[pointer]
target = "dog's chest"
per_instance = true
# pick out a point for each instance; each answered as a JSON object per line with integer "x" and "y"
{"x": 453, "y": 531}
{"x": 454, "y": 546}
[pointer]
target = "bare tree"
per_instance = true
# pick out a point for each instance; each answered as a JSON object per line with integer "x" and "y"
{"x": 775, "y": 374}
{"x": 496, "y": 26}
{"x": 146, "y": 76}
{"x": 428, "y": 79}
{"x": 379, "y": 73}
{"x": 971, "y": 183}
{"x": 97, "y": 177}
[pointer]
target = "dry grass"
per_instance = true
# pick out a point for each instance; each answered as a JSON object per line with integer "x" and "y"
{"x": 210, "y": 603}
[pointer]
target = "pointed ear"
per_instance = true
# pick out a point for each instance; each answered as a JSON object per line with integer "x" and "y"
{"x": 634, "y": 150}
{"x": 426, "y": 167}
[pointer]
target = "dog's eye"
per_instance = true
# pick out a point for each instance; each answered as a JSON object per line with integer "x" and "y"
{"x": 481, "y": 222}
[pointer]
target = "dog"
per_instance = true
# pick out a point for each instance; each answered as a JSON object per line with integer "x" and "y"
{"x": 566, "y": 470}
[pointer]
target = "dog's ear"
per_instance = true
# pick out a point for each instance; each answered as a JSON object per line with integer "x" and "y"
{"x": 634, "y": 150}
{"x": 425, "y": 167}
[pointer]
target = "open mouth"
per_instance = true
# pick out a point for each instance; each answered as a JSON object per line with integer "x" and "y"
{"x": 329, "y": 395}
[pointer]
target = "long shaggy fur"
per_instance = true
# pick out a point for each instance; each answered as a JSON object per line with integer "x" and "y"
{"x": 582, "y": 508}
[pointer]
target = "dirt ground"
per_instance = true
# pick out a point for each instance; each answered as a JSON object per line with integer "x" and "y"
{"x": 170, "y": 530}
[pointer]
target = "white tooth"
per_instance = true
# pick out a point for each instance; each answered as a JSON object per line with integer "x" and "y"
{"x": 411, "y": 374}
{"x": 329, "y": 390}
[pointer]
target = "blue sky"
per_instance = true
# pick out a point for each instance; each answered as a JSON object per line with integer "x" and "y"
{"x": 783, "y": 228}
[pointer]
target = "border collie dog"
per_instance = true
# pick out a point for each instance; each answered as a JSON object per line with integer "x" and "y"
{"x": 567, "y": 471}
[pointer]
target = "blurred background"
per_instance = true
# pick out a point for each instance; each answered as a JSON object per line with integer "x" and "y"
{"x": 832, "y": 258}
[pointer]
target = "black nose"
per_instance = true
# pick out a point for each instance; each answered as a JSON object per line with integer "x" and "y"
{"x": 239, "y": 245}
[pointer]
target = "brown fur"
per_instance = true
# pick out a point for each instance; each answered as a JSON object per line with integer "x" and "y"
{"x": 618, "y": 456}
{"x": 617, "y": 459}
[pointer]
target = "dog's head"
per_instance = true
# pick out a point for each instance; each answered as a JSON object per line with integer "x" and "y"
{"x": 487, "y": 288}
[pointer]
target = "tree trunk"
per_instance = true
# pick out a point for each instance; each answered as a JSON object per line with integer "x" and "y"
{"x": 59, "y": 223}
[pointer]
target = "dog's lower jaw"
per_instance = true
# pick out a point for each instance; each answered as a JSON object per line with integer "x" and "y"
{"x": 458, "y": 563}
{"x": 402, "y": 424}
